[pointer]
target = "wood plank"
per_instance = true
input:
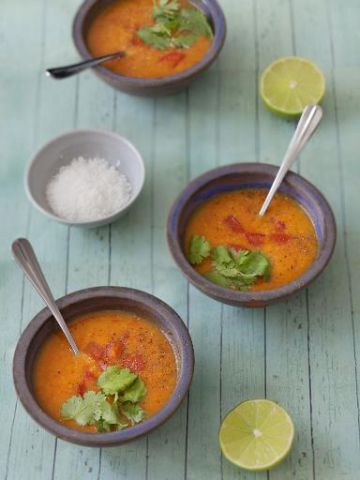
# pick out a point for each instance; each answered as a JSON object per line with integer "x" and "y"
{"x": 17, "y": 140}
{"x": 202, "y": 453}
{"x": 130, "y": 257}
{"x": 88, "y": 262}
{"x": 346, "y": 81}
{"x": 37, "y": 447}
{"x": 237, "y": 92}
{"x": 166, "y": 446}
{"x": 13, "y": 131}
{"x": 286, "y": 333}
{"x": 220, "y": 120}
{"x": 330, "y": 342}
{"x": 242, "y": 369}
{"x": 287, "y": 379}
{"x": 346, "y": 75}
{"x": 242, "y": 374}
{"x": 274, "y": 40}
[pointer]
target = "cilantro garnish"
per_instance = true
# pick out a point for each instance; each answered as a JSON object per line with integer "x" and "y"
{"x": 167, "y": 9}
{"x": 108, "y": 416}
{"x": 199, "y": 249}
{"x": 239, "y": 269}
{"x": 193, "y": 20}
{"x": 175, "y": 26}
{"x": 135, "y": 393}
{"x": 231, "y": 269}
{"x": 90, "y": 409}
{"x": 80, "y": 409}
{"x": 121, "y": 392}
{"x": 132, "y": 412}
{"x": 217, "y": 278}
{"x": 224, "y": 262}
{"x": 114, "y": 380}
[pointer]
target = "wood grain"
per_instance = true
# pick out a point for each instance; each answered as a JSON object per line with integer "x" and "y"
{"x": 303, "y": 353}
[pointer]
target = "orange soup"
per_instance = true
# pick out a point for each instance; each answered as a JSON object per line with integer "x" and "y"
{"x": 285, "y": 235}
{"x": 119, "y": 26}
{"x": 106, "y": 338}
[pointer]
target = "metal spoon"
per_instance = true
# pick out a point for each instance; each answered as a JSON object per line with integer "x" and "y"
{"x": 68, "y": 70}
{"x": 26, "y": 259}
{"x": 307, "y": 125}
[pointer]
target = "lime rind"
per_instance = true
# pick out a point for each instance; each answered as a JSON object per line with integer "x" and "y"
{"x": 275, "y": 91}
{"x": 276, "y": 435}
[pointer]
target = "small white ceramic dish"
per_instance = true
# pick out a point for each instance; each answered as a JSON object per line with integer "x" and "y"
{"x": 88, "y": 144}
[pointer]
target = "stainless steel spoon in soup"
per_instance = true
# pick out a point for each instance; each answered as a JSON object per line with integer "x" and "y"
{"x": 307, "y": 125}
{"x": 26, "y": 259}
{"x": 69, "y": 70}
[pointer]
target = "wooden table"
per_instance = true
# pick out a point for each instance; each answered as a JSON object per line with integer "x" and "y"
{"x": 303, "y": 353}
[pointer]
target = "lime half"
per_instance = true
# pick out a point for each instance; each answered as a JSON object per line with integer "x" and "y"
{"x": 291, "y": 83}
{"x": 256, "y": 435}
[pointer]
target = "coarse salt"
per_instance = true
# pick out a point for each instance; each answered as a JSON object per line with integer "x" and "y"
{"x": 87, "y": 189}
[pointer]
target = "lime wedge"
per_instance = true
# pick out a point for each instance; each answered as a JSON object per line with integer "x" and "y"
{"x": 291, "y": 83}
{"x": 256, "y": 435}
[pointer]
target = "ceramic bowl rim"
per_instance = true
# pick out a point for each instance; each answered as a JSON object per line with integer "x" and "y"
{"x": 74, "y": 133}
{"x": 113, "y": 438}
{"x": 256, "y": 298}
{"x": 217, "y": 17}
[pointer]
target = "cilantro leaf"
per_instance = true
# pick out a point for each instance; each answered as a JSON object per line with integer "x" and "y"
{"x": 152, "y": 36}
{"x": 74, "y": 408}
{"x": 217, "y": 278}
{"x": 103, "y": 426}
{"x": 199, "y": 249}
{"x": 254, "y": 263}
{"x": 184, "y": 40}
{"x": 108, "y": 415}
{"x": 83, "y": 409}
{"x": 106, "y": 412}
{"x": 114, "y": 380}
{"x": 92, "y": 409}
{"x": 238, "y": 270}
{"x": 165, "y": 8}
{"x": 132, "y": 412}
{"x": 221, "y": 255}
{"x": 135, "y": 393}
{"x": 194, "y": 20}
{"x": 174, "y": 27}
{"x": 242, "y": 263}
{"x": 224, "y": 263}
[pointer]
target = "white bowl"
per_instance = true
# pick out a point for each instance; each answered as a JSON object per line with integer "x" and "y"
{"x": 88, "y": 144}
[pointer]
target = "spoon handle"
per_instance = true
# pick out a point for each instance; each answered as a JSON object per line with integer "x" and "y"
{"x": 68, "y": 70}
{"x": 307, "y": 125}
{"x": 26, "y": 259}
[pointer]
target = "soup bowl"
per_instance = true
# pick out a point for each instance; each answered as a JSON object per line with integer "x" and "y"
{"x": 245, "y": 176}
{"x": 150, "y": 86}
{"x": 90, "y": 301}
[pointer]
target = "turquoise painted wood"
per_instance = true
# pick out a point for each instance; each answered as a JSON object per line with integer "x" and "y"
{"x": 303, "y": 353}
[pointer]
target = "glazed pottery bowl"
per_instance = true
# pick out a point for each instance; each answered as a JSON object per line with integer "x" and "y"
{"x": 61, "y": 150}
{"x": 150, "y": 86}
{"x": 92, "y": 300}
{"x": 237, "y": 177}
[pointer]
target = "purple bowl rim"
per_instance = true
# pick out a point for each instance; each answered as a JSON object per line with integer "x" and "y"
{"x": 256, "y": 298}
{"x": 114, "y": 438}
{"x": 219, "y": 22}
